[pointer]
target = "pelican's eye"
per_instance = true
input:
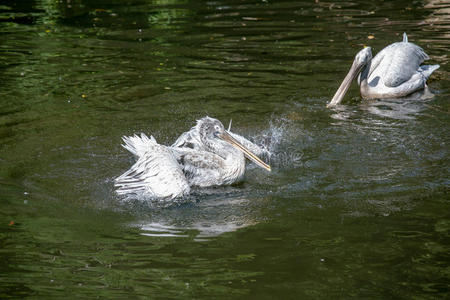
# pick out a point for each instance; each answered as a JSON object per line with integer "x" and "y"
{"x": 217, "y": 129}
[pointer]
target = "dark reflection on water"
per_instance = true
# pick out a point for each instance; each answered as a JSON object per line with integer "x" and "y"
{"x": 356, "y": 204}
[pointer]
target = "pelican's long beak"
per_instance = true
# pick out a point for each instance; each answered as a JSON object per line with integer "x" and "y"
{"x": 343, "y": 88}
{"x": 228, "y": 138}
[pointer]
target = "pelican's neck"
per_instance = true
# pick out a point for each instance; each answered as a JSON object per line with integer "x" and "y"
{"x": 364, "y": 77}
{"x": 234, "y": 167}
{"x": 215, "y": 146}
{"x": 233, "y": 160}
{"x": 361, "y": 64}
{"x": 364, "y": 74}
{"x": 345, "y": 85}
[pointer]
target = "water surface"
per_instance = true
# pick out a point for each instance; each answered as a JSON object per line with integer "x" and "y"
{"x": 357, "y": 203}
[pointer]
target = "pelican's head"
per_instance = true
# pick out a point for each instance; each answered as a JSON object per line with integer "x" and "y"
{"x": 361, "y": 59}
{"x": 213, "y": 133}
{"x": 209, "y": 128}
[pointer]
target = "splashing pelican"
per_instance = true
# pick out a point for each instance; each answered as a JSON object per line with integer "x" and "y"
{"x": 207, "y": 155}
{"x": 393, "y": 73}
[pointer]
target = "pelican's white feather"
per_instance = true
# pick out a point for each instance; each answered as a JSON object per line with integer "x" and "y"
{"x": 156, "y": 173}
{"x": 400, "y": 61}
{"x": 203, "y": 168}
{"x": 138, "y": 145}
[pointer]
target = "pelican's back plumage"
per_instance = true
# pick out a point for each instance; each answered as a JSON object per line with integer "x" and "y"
{"x": 397, "y": 62}
{"x": 400, "y": 62}
{"x": 396, "y": 71}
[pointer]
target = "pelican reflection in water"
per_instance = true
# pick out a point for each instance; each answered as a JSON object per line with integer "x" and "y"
{"x": 207, "y": 155}
{"x": 393, "y": 73}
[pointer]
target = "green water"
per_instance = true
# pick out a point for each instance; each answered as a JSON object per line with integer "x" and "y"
{"x": 357, "y": 203}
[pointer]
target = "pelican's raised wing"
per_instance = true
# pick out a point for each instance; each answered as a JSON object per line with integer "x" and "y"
{"x": 398, "y": 62}
{"x": 156, "y": 172}
{"x": 138, "y": 145}
{"x": 189, "y": 139}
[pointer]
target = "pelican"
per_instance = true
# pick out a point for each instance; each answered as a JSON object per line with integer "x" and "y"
{"x": 191, "y": 139}
{"x": 393, "y": 73}
{"x": 207, "y": 155}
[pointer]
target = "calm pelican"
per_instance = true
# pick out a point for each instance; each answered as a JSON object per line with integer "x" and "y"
{"x": 207, "y": 155}
{"x": 394, "y": 72}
